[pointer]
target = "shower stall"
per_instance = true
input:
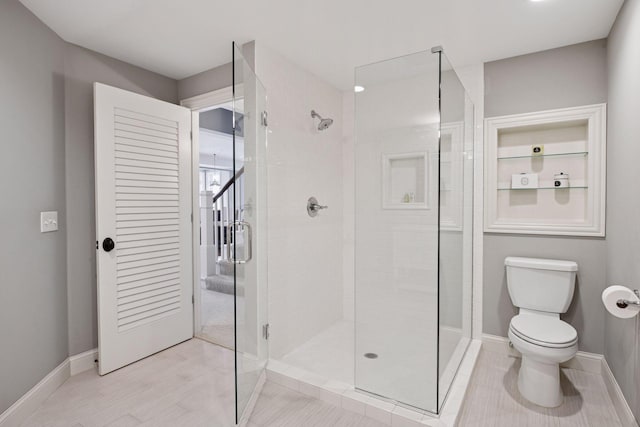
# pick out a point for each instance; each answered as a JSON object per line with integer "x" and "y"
{"x": 407, "y": 224}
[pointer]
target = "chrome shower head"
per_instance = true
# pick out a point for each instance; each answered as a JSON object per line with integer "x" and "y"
{"x": 324, "y": 123}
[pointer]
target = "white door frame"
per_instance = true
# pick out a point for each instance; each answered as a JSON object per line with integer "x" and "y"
{"x": 198, "y": 104}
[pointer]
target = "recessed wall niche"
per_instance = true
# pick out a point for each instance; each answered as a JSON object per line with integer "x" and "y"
{"x": 405, "y": 181}
{"x": 545, "y": 172}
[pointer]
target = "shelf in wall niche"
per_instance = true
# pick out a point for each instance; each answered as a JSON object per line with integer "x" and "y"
{"x": 543, "y": 188}
{"x": 577, "y": 153}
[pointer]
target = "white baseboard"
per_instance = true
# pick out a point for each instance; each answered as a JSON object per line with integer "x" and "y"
{"x": 619, "y": 402}
{"x": 583, "y": 361}
{"x": 27, "y": 404}
{"x": 83, "y": 361}
{"x": 30, "y": 401}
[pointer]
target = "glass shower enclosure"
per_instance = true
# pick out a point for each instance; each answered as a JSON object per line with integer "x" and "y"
{"x": 413, "y": 228}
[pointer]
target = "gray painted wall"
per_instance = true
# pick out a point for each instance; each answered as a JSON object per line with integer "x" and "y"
{"x": 564, "y": 77}
{"x": 33, "y": 288}
{"x": 556, "y": 78}
{"x": 623, "y": 199}
{"x": 207, "y": 81}
{"x": 82, "y": 68}
{"x": 215, "y": 78}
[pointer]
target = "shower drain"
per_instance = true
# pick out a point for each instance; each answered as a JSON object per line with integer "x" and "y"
{"x": 371, "y": 355}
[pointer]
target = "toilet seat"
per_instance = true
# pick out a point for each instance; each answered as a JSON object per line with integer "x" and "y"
{"x": 543, "y": 330}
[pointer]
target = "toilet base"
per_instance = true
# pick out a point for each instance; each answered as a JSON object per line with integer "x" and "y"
{"x": 539, "y": 382}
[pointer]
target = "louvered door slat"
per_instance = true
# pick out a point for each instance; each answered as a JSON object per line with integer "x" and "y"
{"x": 132, "y": 204}
{"x": 145, "y": 177}
{"x": 142, "y": 317}
{"x": 150, "y": 274}
{"x": 137, "y": 136}
{"x": 150, "y": 301}
{"x": 128, "y": 148}
{"x": 134, "y": 241}
{"x": 126, "y": 268}
{"x": 144, "y": 132}
{"x": 146, "y": 171}
{"x": 170, "y": 217}
{"x": 139, "y": 143}
{"x": 141, "y": 296}
{"x": 147, "y": 249}
{"x": 148, "y": 284}
{"x": 149, "y": 164}
{"x": 147, "y": 253}
{"x": 142, "y": 117}
{"x": 126, "y": 119}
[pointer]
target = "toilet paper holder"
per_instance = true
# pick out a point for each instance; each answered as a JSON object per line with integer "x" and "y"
{"x": 624, "y": 303}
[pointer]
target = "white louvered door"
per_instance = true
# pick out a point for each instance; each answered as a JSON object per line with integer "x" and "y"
{"x": 143, "y": 204}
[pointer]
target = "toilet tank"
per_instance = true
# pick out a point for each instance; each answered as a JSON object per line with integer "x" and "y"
{"x": 541, "y": 284}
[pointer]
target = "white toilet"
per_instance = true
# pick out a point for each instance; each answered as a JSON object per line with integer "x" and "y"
{"x": 541, "y": 289}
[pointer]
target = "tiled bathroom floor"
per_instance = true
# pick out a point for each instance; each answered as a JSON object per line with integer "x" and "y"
{"x": 191, "y": 384}
{"x": 217, "y": 318}
{"x": 493, "y": 399}
{"x": 280, "y": 406}
{"x": 187, "y": 385}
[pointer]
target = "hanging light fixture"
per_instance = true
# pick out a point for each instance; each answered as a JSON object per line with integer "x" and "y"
{"x": 215, "y": 182}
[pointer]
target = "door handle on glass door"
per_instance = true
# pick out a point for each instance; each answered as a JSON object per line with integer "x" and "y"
{"x": 231, "y": 228}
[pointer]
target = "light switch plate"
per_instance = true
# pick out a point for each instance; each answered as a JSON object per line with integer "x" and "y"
{"x": 48, "y": 221}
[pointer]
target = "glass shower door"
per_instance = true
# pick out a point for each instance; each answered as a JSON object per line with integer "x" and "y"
{"x": 248, "y": 232}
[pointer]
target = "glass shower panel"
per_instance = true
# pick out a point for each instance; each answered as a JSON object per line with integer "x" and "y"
{"x": 396, "y": 229}
{"x": 455, "y": 232}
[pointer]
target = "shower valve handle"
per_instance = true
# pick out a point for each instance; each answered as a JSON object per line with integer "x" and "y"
{"x": 313, "y": 207}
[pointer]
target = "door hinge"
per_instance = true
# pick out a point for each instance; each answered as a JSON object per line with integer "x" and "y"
{"x": 192, "y": 217}
{"x": 193, "y": 299}
{"x": 264, "y": 118}
{"x": 265, "y": 331}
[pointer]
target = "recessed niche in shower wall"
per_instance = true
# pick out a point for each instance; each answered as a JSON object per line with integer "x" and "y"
{"x": 405, "y": 181}
{"x": 545, "y": 172}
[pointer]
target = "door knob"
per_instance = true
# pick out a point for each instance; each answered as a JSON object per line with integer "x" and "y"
{"x": 108, "y": 244}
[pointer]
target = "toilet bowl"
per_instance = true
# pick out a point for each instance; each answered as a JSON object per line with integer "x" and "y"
{"x": 544, "y": 342}
{"x": 541, "y": 289}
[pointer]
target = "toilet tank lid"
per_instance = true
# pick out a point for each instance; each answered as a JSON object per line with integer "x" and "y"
{"x": 541, "y": 264}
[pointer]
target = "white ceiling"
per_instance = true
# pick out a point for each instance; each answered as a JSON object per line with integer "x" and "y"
{"x": 179, "y": 38}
